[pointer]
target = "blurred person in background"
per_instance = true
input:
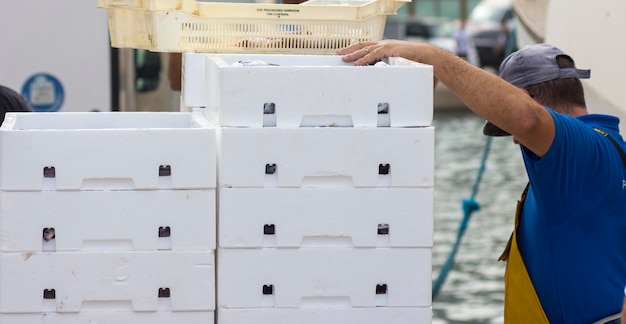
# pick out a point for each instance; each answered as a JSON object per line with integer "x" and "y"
{"x": 506, "y": 43}
{"x": 462, "y": 37}
{"x": 11, "y": 101}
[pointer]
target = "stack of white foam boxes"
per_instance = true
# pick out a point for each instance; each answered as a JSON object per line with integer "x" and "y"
{"x": 107, "y": 218}
{"x": 325, "y": 187}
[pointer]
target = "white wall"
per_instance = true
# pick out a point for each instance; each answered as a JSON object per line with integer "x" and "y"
{"x": 67, "y": 39}
{"x": 592, "y": 32}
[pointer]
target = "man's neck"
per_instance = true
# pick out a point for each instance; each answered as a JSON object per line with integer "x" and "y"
{"x": 574, "y": 111}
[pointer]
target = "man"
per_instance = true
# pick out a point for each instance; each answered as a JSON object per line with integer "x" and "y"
{"x": 567, "y": 257}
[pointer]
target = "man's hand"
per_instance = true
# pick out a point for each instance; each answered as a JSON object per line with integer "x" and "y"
{"x": 367, "y": 52}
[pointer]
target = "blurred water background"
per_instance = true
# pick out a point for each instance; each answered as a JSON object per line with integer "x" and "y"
{"x": 474, "y": 289}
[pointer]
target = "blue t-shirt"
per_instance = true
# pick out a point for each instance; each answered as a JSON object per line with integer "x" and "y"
{"x": 572, "y": 234}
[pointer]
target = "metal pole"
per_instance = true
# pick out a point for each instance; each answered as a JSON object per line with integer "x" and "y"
{"x": 127, "y": 80}
{"x": 463, "y": 9}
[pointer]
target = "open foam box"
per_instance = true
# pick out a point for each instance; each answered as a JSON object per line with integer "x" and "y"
{"x": 324, "y": 278}
{"x": 128, "y": 281}
{"x": 107, "y": 151}
{"x": 307, "y": 91}
{"x": 325, "y": 218}
{"x": 105, "y": 220}
{"x": 326, "y": 157}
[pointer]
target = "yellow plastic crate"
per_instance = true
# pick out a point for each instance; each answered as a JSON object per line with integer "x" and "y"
{"x": 314, "y": 27}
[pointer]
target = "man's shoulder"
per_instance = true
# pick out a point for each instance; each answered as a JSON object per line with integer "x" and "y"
{"x": 606, "y": 123}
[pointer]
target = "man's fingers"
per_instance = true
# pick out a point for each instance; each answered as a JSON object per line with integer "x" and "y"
{"x": 361, "y": 54}
{"x": 370, "y": 54}
{"x": 354, "y": 47}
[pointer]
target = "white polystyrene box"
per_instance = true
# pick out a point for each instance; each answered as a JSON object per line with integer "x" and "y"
{"x": 324, "y": 278}
{"x": 310, "y": 90}
{"x": 106, "y": 150}
{"x": 394, "y": 315}
{"x": 194, "y": 81}
{"x": 87, "y": 281}
{"x": 124, "y": 220}
{"x": 335, "y": 217}
{"x": 326, "y": 157}
{"x": 105, "y": 316}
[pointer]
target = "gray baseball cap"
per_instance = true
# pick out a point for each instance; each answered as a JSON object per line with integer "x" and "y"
{"x": 531, "y": 65}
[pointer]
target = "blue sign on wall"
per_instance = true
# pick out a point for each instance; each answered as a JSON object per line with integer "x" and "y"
{"x": 44, "y": 92}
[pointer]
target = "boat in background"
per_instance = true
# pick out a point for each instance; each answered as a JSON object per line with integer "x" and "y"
{"x": 592, "y": 33}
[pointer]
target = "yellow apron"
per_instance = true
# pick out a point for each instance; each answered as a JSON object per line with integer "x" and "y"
{"x": 521, "y": 304}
